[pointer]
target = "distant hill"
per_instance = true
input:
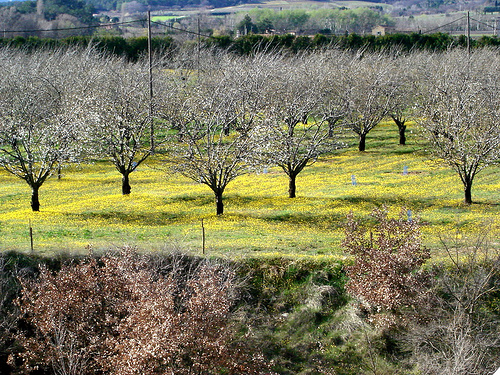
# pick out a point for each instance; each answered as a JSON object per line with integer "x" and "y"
{"x": 115, "y": 4}
{"x": 50, "y": 9}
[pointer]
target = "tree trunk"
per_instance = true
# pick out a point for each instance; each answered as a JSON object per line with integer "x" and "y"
{"x": 292, "y": 187}
{"x": 402, "y": 136}
{"x": 362, "y": 142}
{"x": 332, "y": 121}
{"x": 35, "y": 202}
{"x": 400, "y": 122}
{"x": 468, "y": 192}
{"x": 330, "y": 130}
{"x": 126, "y": 184}
{"x": 218, "y": 203}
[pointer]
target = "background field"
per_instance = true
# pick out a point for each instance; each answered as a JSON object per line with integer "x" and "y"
{"x": 86, "y": 207}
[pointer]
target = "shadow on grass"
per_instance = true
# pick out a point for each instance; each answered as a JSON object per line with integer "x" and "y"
{"x": 200, "y": 199}
{"x": 414, "y": 204}
{"x": 236, "y": 207}
{"x": 308, "y": 220}
{"x": 318, "y": 213}
{"x": 121, "y": 217}
{"x": 483, "y": 203}
{"x": 316, "y": 217}
{"x": 157, "y": 218}
{"x": 404, "y": 150}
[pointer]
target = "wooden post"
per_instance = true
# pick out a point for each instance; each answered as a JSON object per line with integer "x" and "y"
{"x": 202, "y": 238}
{"x": 31, "y": 236}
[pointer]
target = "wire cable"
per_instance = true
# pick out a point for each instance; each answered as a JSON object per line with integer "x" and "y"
{"x": 483, "y": 23}
{"x": 182, "y": 30}
{"x": 73, "y": 28}
{"x": 440, "y": 27}
{"x": 178, "y": 29}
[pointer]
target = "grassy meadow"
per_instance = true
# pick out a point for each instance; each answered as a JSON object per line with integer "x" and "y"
{"x": 86, "y": 207}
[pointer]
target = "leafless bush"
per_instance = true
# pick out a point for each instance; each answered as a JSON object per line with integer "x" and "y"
{"x": 462, "y": 335}
{"x": 9, "y": 313}
{"x": 385, "y": 274}
{"x": 119, "y": 315}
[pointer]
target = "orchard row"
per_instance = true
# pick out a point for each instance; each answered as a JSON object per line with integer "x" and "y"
{"x": 213, "y": 116}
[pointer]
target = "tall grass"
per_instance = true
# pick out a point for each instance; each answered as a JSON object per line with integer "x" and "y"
{"x": 86, "y": 207}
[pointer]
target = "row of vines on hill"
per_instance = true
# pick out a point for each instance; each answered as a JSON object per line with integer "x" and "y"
{"x": 213, "y": 116}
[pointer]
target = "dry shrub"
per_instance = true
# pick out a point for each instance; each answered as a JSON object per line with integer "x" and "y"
{"x": 385, "y": 275}
{"x": 9, "y": 313}
{"x": 462, "y": 335}
{"x": 119, "y": 315}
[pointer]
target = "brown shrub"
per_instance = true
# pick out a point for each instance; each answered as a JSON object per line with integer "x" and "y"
{"x": 118, "y": 315}
{"x": 385, "y": 273}
{"x": 462, "y": 334}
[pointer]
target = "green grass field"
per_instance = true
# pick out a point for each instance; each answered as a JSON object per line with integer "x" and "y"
{"x": 86, "y": 207}
{"x": 278, "y": 5}
{"x": 166, "y": 18}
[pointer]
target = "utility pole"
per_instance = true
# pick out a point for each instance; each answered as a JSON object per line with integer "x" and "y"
{"x": 39, "y": 7}
{"x": 150, "y": 66}
{"x": 468, "y": 32}
{"x": 199, "y": 44}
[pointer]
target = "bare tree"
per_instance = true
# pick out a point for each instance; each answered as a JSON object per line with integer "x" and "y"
{"x": 294, "y": 136}
{"x": 120, "y": 116}
{"x": 215, "y": 116}
{"x": 460, "y": 111}
{"x": 39, "y": 119}
{"x": 369, "y": 95}
{"x": 405, "y": 74}
{"x": 331, "y": 66}
{"x": 461, "y": 334}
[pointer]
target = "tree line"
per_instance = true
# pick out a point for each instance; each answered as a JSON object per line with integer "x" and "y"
{"x": 214, "y": 116}
{"x": 251, "y": 43}
{"x": 135, "y": 48}
{"x": 326, "y": 21}
{"x": 130, "y": 48}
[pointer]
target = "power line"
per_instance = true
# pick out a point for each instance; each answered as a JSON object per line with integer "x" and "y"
{"x": 182, "y": 30}
{"x": 483, "y": 23}
{"x": 440, "y": 27}
{"x": 179, "y": 29}
{"x": 73, "y": 28}
{"x": 107, "y": 25}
